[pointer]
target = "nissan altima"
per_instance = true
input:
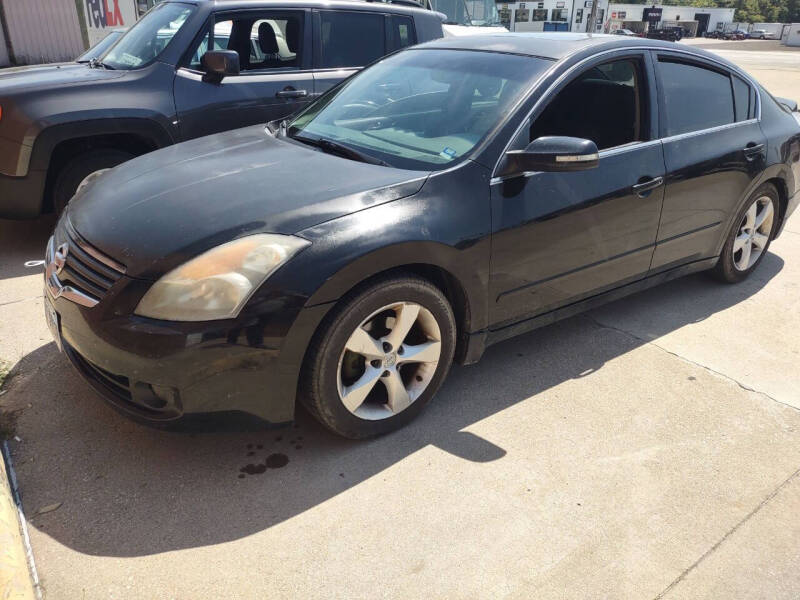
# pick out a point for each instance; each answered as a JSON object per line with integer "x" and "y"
{"x": 447, "y": 197}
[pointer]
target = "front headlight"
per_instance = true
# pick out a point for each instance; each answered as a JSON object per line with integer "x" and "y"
{"x": 218, "y": 283}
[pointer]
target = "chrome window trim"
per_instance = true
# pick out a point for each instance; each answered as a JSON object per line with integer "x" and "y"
{"x": 690, "y": 134}
{"x": 546, "y": 95}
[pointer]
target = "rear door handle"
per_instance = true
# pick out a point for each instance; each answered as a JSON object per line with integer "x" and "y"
{"x": 753, "y": 151}
{"x": 292, "y": 93}
{"x": 641, "y": 189}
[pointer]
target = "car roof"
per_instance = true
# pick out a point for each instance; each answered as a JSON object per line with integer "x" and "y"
{"x": 553, "y": 45}
{"x": 368, "y": 5}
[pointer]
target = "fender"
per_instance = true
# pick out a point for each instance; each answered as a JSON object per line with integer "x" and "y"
{"x": 417, "y": 256}
{"x": 50, "y": 137}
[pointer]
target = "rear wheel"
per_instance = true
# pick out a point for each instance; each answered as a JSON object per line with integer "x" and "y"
{"x": 750, "y": 237}
{"x": 82, "y": 169}
{"x": 380, "y": 358}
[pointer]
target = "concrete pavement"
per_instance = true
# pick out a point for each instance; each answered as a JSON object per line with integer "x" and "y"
{"x": 648, "y": 449}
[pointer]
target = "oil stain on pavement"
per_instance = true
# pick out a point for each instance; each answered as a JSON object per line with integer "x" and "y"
{"x": 275, "y": 460}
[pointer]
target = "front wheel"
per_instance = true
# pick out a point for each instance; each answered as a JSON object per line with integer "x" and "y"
{"x": 380, "y": 357}
{"x": 82, "y": 169}
{"x": 750, "y": 237}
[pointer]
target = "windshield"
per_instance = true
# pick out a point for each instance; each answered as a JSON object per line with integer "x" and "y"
{"x": 146, "y": 40}
{"x": 100, "y": 47}
{"x": 468, "y": 12}
{"x": 420, "y": 109}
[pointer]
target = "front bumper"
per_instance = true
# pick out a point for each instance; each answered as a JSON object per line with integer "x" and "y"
{"x": 160, "y": 371}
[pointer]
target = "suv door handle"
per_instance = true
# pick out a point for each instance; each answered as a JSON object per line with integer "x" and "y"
{"x": 753, "y": 151}
{"x": 291, "y": 93}
{"x": 641, "y": 189}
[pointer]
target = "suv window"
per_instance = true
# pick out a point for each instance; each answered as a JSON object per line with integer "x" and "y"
{"x": 694, "y": 97}
{"x": 267, "y": 42}
{"x": 351, "y": 39}
{"x": 615, "y": 115}
{"x": 403, "y": 32}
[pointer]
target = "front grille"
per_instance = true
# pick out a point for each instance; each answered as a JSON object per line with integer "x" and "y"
{"x": 86, "y": 269}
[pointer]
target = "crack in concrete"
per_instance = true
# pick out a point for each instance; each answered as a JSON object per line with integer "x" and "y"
{"x": 743, "y": 386}
{"x": 730, "y": 532}
{"x": 21, "y": 300}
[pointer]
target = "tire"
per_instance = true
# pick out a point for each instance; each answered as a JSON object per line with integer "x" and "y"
{"x": 79, "y": 168}
{"x": 731, "y": 265}
{"x": 331, "y": 371}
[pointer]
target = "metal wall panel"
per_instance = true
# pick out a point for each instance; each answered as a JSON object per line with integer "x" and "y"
{"x": 43, "y": 31}
{"x": 4, "y": 62}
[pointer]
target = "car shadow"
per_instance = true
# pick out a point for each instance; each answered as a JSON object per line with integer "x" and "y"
{"x": 23, "y": 241}
{"x": 127, "y": 490}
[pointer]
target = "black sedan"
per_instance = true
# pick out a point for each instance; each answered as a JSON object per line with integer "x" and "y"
{"x": 444, "y": 199}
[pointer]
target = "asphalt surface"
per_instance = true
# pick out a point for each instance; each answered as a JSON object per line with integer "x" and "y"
{"x": 648, "y": 449}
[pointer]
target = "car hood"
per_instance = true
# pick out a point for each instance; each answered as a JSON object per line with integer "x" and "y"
{"x": 54, "y": 76}
{"x": 157, "y": 211}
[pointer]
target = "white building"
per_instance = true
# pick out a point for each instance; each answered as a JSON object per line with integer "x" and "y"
{"x": 572, "y": 15}
{"x": 791, "y": 35}
{"x": 707, "y": 19}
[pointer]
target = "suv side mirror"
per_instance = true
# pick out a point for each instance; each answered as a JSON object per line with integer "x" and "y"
{"x": 218, "y": 64}
{"x": 553, "y": 153}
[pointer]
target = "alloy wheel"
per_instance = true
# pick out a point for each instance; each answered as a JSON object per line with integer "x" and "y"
{"x": 754, "y": 232}
{"x": 389, "y": 361}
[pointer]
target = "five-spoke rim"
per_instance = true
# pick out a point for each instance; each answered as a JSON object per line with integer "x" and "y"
{"x": 397, "y": 346}
{"x": 754, "y": 231}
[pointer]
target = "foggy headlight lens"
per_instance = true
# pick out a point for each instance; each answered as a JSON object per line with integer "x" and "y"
{"x": 218, "y": 283}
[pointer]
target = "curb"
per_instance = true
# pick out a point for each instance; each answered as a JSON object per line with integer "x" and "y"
{"x": 15, "y": 576}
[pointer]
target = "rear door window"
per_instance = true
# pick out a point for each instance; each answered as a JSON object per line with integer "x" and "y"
{"x": 350, "y": 38}
{"x": 694, "y": 97}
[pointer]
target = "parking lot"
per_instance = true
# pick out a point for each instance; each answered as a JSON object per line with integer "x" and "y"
{"x": 647, "y": 449}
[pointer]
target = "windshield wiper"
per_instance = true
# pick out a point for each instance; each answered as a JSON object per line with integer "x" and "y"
{"x": 332, "y": 147}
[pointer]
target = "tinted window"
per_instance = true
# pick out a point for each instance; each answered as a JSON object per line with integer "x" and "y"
{"x": 351, "y": 39}
{"x": 695, "y": 98}
{"x": 741, "y": 99}
{"x": 403, "y": 32}
{"x": 421, "y": 109}
{"x": 615, "y": 115}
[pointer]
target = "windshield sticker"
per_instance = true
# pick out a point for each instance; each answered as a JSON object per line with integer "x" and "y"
{"x": 448, "y": 153}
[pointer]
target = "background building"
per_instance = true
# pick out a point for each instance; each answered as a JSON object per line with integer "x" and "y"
{"x": 42, "y": 31}
{"x": 572, "y": 15}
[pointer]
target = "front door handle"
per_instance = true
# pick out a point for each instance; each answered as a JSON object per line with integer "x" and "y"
{"x": 753, "y": 151}
{"x": 641, "y": 189}
{"x": 291, "y": 93}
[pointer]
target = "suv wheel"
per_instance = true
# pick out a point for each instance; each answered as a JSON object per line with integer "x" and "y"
{"x": 82, "y": 168}
{"x": 381, "y": 357}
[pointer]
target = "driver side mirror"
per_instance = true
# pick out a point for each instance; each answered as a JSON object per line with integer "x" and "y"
{"x": 218, "y": 64}
{"x": 551, "y": 153}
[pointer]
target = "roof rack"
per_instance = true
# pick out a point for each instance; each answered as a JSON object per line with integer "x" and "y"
{"x": 400, "y": 2}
